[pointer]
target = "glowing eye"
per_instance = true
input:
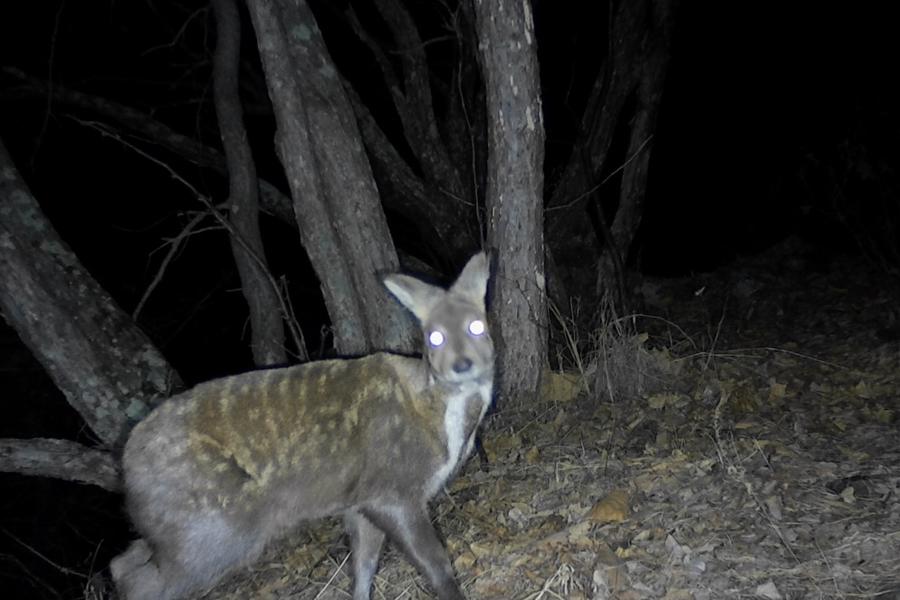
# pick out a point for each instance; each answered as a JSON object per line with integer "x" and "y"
{"x": 435, "y": 338}
{"x": 476, "y": 327}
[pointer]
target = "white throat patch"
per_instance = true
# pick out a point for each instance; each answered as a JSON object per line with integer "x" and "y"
{"x": 458, "y": 444}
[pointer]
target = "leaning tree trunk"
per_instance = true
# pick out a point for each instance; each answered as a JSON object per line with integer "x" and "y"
{"x": 438, "y": 188}
{"x": 336, "y": 202}
{"x": 653, "y": 62}
{"x": 632, "y": 75}
{"x": 105, "y": 366}
{"x": 514, "y": 192}
{"x": 257, "y": 285}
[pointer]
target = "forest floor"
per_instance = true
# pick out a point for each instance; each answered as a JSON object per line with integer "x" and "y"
{"x": 745, "y": 445}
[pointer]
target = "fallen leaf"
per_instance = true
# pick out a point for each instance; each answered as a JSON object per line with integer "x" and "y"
{"x": 611, "y": 509}
{"x": 768, "y": 590}
{"x": 561, "y": 387}
{"x": 777, "y": 391}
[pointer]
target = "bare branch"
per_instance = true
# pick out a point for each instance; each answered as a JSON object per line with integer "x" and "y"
{"x": 226, "y": 224}
{"x": 60, "y": 459}
{"x": 272, "y": 200}
{"x": 633, "y": 156}
{"x": 174, "y": 245}
{"x": 44, "y": 558}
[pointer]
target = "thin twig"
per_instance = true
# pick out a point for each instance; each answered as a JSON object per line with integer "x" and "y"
{"x": 715, "y": 339}
{"x": 293, "y": 327}
{"x": 614, "y": 172}
{"x": 52, "y": 563}
{"x": 174, "y": 245}
{"x": 331, "y": 579}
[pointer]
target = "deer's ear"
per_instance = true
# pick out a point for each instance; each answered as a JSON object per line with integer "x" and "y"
{"x": 472, "y": 282}
{"x": 419, "y": 297}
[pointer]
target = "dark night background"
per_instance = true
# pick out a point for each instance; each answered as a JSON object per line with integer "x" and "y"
{"x": 779, "y": 119}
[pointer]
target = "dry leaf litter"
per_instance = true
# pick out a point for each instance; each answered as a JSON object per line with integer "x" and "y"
{"x": 744, "y": 444}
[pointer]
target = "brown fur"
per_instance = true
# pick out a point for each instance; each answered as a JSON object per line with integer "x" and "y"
{"x": 215, "y": 473}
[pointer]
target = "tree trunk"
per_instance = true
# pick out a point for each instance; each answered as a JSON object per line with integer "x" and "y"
{"x": 640, "y": 34}
{"x": 514, "y": 193}
{"x": 105, "y": 366}
{"x": 651, "y": 77}
{"x": 257, "y": 286}
{"x": 335, "y": 200}
{"x": 415, "y": 106}
{"x": 438, "y": 221}
{"x": 447, "y": 188}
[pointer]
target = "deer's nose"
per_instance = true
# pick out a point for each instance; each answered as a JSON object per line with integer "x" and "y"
{"x": 462, "y": 365}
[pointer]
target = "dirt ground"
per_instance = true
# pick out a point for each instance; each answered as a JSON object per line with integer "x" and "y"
{"x": 744, "y": 445}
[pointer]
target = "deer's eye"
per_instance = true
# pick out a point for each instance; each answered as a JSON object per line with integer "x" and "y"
{"x": 476, "y": 327}
{"x": 435, "y": 338}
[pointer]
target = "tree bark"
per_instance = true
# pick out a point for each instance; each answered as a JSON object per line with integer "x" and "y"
{"x": 335, "y": 200}
{"x": 403, "y": 191}
{"x": 514, "y": 193}
{"x": 60, "y": 459}
{"x": 105, "y": 366}
{"x": 266, "y": 325}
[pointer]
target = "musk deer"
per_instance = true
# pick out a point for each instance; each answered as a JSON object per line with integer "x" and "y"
{"x": 216, "y": 472}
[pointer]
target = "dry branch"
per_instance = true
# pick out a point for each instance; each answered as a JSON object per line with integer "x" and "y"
{"x": 60, "y": 459}
{"x": 139, "y": 123}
